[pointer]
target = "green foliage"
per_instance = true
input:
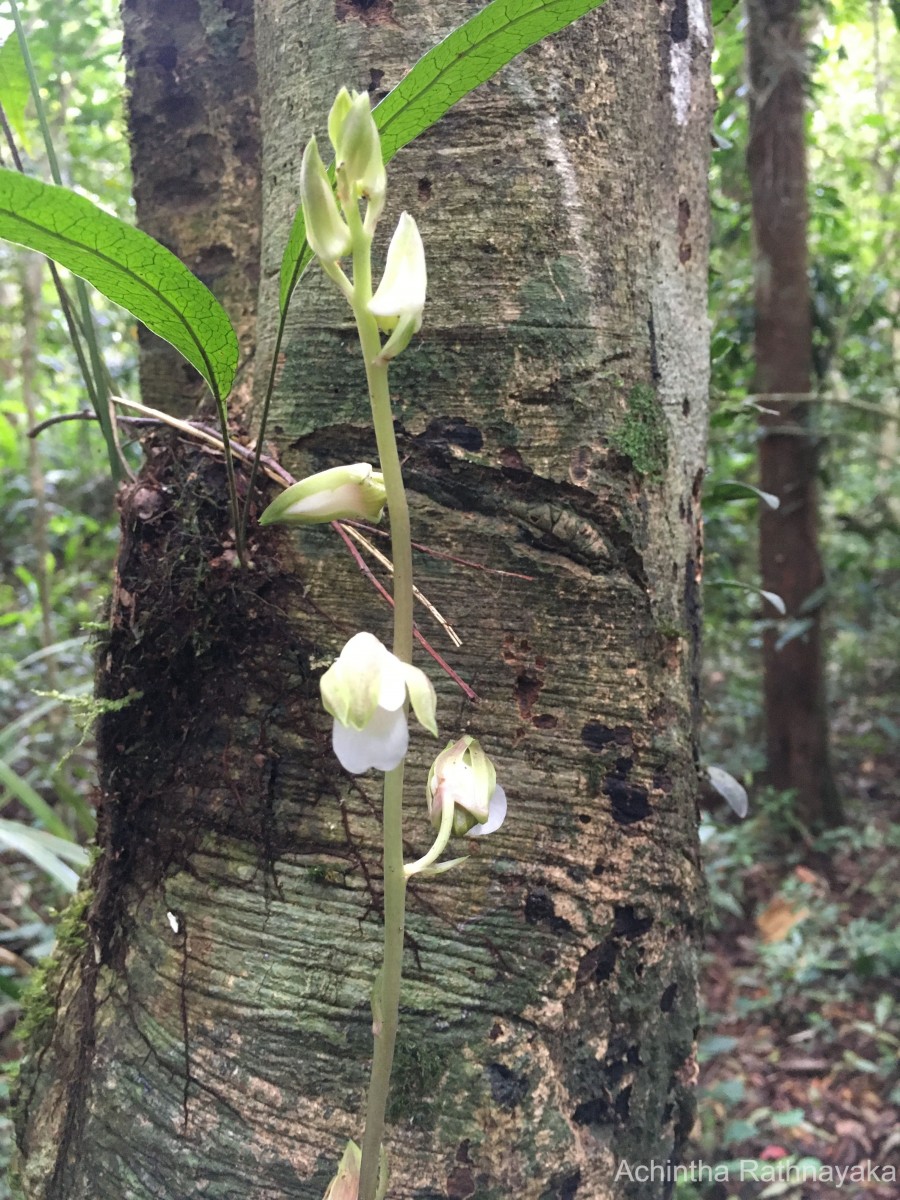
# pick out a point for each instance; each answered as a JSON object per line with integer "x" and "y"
{"x": 127, "y": 266}
{"x": 464, "y": 60}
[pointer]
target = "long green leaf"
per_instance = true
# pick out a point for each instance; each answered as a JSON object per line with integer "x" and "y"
{"x": 465, "y": 59}
{"x": 127, "y": 266}
{"x": 16, "y": 786}
{"x": 44, "y": 851}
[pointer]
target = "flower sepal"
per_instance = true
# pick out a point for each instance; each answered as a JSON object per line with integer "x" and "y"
{"x": 326, "y": 230}
{"x": 399, "y": 301}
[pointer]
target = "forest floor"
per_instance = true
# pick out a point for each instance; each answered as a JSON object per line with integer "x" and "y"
{"x": 800, "y": 1042}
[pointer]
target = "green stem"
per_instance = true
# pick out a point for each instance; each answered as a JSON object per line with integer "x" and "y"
{"x": 440, "y": 843}
{"x": 401, "y": 553}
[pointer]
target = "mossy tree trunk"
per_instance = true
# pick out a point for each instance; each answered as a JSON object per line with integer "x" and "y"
{"x": 206, "y": 1028}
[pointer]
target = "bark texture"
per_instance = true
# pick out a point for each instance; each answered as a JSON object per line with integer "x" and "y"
{"x": 790, "y": 562}
{"x": 194, "y": 125}
{"x": 206, "y": 1028}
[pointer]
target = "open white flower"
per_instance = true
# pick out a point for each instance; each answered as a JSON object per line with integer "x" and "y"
{"x": 399, "y": 302}
{"x": 464, "y": 776}
{"x": 365, "y": 690}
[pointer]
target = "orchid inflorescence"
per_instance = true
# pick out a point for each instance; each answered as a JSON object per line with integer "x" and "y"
{"x": 369, "y": 689}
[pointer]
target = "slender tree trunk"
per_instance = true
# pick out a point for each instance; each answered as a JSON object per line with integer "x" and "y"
{"x": 791, "y": 566}
{"x": 210, "y": 1019}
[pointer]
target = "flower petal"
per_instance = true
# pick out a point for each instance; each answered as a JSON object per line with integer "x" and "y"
{"x": 496, "y": 815}
{"x": 382, "y": 744}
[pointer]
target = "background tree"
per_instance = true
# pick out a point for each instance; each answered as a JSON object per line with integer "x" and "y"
{"x": 207, "y": 1020}
{"x": 798, "y": 752}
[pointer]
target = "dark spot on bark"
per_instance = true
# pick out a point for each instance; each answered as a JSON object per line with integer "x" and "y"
{"x": 539, "y": 907}
{"x": 460, "y": 1183}
{"x": 629, "y": 801}
{"x": 598, "y": 1111}
{"x": 595, "y": 736}
{"x": 627, "y": 924}
{"x": 662, "y": 783}
{"x": 528, "y": 688}
{"x": 512, "y": 459}
{"x": 623, "y": 1104}
{"x": 213, "y": 261}
{"x": 496, "y": 1031}
{"x": 584, "y": 818}
{"x": 370, "y": 12}
{"x": 549, "y": 957}
{"x": 375, "y": 78}
{"x": 545, "y": 721}
{"x": 579, "y": 463}
{"x": 684, "y": 215}
{"x": 507, "y": 1088}
{"x": 633, "y": 1056}
{"x": 599, "y": 867}
{"x": 599, "y": 963}
{"x": 453, "y": 430}
{"x": 167, "y": 57}
{"x": 654, "y": 358}
{"x": 686, "y": 407}
{"x": 684, "y": 252}
{"x": 569, "y": 1187}
{"x": 424, "y": 190}
{"x": 667, "y": 999}
{"x": 462, "y": 1151}
{"x": 623, "y": 766}
{"x": 680, "y": 28}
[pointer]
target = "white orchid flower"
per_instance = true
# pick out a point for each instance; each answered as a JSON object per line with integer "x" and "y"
{"x": 365, "y": 691}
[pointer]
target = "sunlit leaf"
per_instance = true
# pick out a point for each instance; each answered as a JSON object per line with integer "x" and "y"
{"x": 464, "y": 60}
{"x": 13, "y": 86}
{"x": 127, "y": 266}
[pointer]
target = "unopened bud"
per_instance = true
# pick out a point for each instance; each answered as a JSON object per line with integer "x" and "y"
{"x": 464, "y": 776}
{"x": 399, "y": 302}
{"x": 326, "y": 230}
{"x": 338, "y": 494}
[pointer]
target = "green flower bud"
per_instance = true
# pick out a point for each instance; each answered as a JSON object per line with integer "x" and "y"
{"x": 340, "y": 493}
{"x": 326, "y": 230}
{"x": 357, "y": 148}
{"x": 345, "y": 1185}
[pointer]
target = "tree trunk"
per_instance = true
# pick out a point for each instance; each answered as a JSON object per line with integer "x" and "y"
{"x": 794, "y": 681}
{"x": 209, "y": 1019}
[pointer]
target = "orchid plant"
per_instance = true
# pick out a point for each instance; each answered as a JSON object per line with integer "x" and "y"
{"x": 369, "y": 689}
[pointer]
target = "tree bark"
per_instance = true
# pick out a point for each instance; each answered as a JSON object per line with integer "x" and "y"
{"x": 209, "y": 1019}
{"x": 796, "y": 717}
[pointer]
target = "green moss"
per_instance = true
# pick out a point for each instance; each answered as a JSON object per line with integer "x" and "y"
{"x": 419, "y": 1067}
{"x": 39, "y": 1000}
{"x": 643, "y": 435}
